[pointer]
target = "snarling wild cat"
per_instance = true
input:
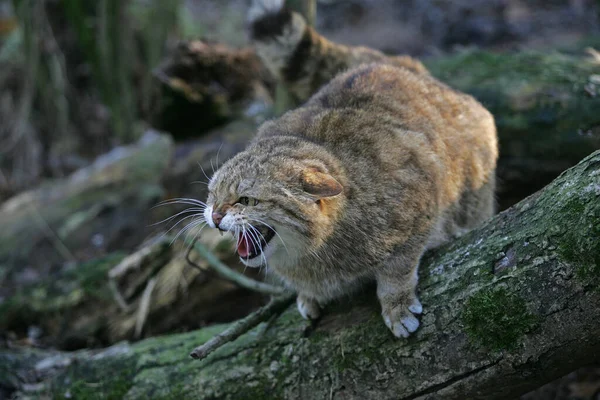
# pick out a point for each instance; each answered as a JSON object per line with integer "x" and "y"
{"x": 382, "y": 163}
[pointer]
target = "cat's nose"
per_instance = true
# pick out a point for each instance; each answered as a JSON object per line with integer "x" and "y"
{"x": 217, "y": 218}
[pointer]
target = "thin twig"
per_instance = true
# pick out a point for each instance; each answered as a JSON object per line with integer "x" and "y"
{"x": 275, "y": 307}
{"x": 595, "y": 55}
{"x": 230, "y": 274}
{"x": 60, "y": 247}
{"x": 144, "y": 308}
{"x": 114, "y": 290}
{"x": 277, "y": 304}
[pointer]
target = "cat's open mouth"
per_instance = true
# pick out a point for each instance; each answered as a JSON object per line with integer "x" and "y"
{"x": 251, "y": 244}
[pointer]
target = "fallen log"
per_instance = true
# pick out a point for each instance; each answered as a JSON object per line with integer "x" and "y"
{"x": 508, "y": 307}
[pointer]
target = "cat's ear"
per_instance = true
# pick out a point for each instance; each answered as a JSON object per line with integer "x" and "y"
{"x": 320, "y": 184}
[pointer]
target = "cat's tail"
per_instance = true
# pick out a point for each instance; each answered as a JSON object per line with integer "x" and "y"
{"x": 301, "y": 58}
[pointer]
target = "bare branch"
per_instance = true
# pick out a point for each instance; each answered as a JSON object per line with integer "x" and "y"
{"x": 276, "y": 306}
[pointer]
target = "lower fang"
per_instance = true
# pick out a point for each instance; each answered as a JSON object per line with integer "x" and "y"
{"x": 221, "y": 232}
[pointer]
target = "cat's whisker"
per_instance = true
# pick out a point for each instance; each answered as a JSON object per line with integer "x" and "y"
{"x": 247, "y": 233}
{"x": 236, "y": 235}
{"x": 191, "y": 242}
{"x": 204, "y": 183}
{"x": 178, "y": 222}
{"x": 187, "y": 210}
{"x": 219, "y": 151}
{"x": 256, "y": 244}
{"x": 200, "y": 165}
{"x": 189, "y": 226}
{"x": 262, "y": 250}
{"x": 200, "y": 207}
{"x": 180, "y": 200}
{"x": 245, "y": 266}
{"x": 274, "y": 231}
{"x": 196, "y": 201}
{"x": 254, "y": 232}
{"x": 198, "y": 216}
{"x": 184, "y": 229}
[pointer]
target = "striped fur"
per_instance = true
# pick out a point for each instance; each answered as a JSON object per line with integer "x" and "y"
{"x": 414, "y": 159}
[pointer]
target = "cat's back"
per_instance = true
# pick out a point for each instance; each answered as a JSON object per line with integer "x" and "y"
{"x": 419, "y": 101}
{"x": 379, "y": 117}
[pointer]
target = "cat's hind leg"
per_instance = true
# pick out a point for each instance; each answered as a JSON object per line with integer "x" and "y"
{"x": 476, "y": 206}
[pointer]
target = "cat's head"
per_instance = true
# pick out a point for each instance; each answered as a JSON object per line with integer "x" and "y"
{"x": 279, "y": 208}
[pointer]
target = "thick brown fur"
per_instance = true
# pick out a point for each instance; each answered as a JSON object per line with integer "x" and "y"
{"x": 379, "y": 165}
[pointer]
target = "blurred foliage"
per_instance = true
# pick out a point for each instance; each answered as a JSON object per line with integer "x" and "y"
{"x": 76, "y": 79}
{"x": 107, "y": 46}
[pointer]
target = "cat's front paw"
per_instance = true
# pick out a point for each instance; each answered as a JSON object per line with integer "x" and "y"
{"x": 309, "y": 308}
{"x": 400, "y": 317}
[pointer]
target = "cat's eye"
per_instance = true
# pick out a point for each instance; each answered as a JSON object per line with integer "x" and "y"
{"x": 247, "y": 201}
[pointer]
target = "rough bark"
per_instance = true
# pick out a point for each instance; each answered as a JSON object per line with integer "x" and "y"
{"x": 508, "y": 307}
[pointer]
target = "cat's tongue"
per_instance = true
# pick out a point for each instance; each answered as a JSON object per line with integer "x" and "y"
{"x": 242, "y": 246}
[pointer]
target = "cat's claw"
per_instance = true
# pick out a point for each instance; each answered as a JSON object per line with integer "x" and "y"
{"x": 410, "y": 323}
{"x": 416, "y": 307}
{"x": 401, "y": 319}
{"x": 308, "y": 308}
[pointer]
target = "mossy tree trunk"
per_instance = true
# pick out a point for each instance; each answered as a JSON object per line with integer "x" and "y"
{"x": 546, "y": 107}
{"x": 508, "y": 307}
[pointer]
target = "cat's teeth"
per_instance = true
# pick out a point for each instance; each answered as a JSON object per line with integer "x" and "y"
{"x": 221, "y": 232}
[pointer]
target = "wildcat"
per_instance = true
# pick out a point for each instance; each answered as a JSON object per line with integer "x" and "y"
{"x": 382, "y": 163}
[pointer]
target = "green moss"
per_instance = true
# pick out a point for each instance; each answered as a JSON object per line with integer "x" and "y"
{"x": 583, "y": 251}
{"x": 351, "y": 349}
{"x": 496, "y": 318}
{"x": 40, "y": 302}
{"x": 590, "y": 272}
{"x": 257, "y": 390}
{"x": 92, "y": 275}
{"x": 15, "y": 362}
{"x": 538, "y": 95}
{"x": 109, "y": 378}
{"x": 114, "y": 389}
{"x": 173, "y": 349}
{"x": 580, "y": 246}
